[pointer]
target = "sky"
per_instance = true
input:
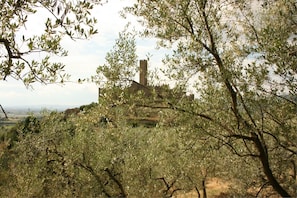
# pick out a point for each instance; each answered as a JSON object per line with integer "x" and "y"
{"x": 83, "y": 58}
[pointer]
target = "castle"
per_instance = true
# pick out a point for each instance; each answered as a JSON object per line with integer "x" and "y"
{"x": 162, "y": 91}
{"x": 148, "y": 101}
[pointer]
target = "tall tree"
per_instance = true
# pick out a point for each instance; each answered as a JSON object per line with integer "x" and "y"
{"x": 242, "y": 55}
{"x": 121, "y": 62}
{"x": 71, "y": 18}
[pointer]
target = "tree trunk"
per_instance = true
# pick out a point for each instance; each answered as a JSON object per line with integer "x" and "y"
{"x": 4, "y": 112}
{"x": 204, "y": 189}
{"x": 198, "y": 193}
{"x": 266, "y": 167}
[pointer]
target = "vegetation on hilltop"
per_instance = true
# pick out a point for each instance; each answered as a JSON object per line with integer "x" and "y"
{"x": 242, "y": 57}
{"x": 242, "y": 129}
{"x": 83, "y": 156}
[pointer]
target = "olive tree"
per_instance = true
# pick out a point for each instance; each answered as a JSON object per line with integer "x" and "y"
{"x": 19, "y": 43}
{"x": 242, "y": 57}
{"x": 121, "y": 62}
{"x": 79, "y": 155}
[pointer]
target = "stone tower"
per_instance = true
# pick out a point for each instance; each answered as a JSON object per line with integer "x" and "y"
{"x": 143, "y": 72}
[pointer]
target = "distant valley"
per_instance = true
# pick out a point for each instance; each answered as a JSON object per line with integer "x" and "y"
{"x": 23, "y": 111}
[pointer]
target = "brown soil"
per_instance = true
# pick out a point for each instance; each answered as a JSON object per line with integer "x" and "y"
{"x": 215, "y": 188}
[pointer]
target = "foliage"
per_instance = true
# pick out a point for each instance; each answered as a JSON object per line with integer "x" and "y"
{"x": 241, "y": 128}
{"x": 241, "y": 54}
{"x": 79, "y": 156}
{"x": 88, "y": 107}
{"x": 71, "y": 18}
{"x": 121, "y": 62}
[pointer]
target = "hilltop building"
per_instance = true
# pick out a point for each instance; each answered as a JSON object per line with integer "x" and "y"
{"x": 156, "y": 97}
{"x": 163, "y": 91}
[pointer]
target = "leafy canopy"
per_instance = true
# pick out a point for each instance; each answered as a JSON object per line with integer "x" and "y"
{"x": 70, "y": 18}
{"x": 242, "y": 57}
{"x": 121, "y": 62}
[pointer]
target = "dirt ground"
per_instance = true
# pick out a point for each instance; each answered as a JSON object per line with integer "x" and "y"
{"x": 215, "y": 188}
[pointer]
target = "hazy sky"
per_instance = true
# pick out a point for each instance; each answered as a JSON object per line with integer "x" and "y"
{"x": 82, "y": 60}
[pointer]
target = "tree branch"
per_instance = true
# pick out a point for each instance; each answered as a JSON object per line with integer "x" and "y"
{"x": 11, "y": 56}
{"x": 244, "y": 137}
{"x": 169, "y": 187}
{"x": 261, "y": 188}
{"x": 8, "y": 49}
{"x": 97, "y": 177}
{"x": 280, "y": 144}
{"x": 123, "y": 193}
